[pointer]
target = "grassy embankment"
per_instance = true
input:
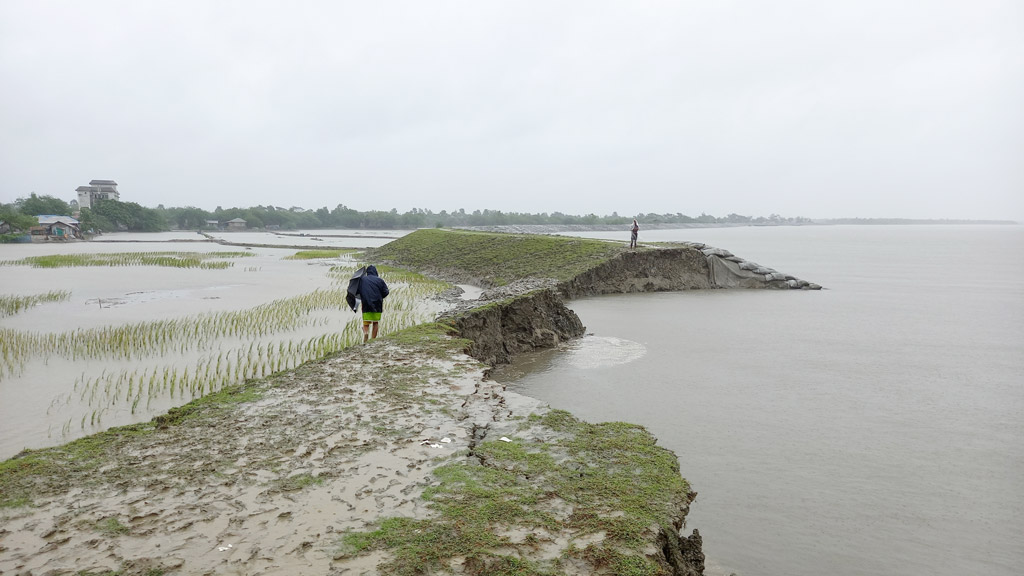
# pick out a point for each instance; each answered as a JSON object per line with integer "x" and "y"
{"x": 497, "y": 259}
{"x": 607, "y": 481}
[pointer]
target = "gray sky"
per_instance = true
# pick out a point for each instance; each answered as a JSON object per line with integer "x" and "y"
{"x": 801, "y": 108}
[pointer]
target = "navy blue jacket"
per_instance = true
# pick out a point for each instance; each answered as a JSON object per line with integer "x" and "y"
{"x": 372, "y": 290}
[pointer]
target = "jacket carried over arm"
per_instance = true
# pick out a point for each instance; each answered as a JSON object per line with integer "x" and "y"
{"x": 372, "y": 290}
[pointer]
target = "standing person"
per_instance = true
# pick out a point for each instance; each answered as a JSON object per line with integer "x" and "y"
{"x": 632, "y": 234}
{"x": 372, "y": 292}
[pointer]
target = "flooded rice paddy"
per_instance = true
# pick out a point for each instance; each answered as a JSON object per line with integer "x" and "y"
{"x": 283, "y": 238}
{"x": 84, "y": 348}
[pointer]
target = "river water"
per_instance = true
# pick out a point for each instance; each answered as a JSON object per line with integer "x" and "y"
{"x": 875, "y": 427}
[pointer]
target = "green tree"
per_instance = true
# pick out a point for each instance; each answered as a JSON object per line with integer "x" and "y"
{"x": 308, "y": 220}
{"x": 345, "y": 217}
{"x": 190, "y": 218}
{"x": 39, "y": 205}
{"x": 325, "y": 218}
{"x": 91, "y": 221}
{"x": 10, "y": 214}
{"x": 129, "y": 216}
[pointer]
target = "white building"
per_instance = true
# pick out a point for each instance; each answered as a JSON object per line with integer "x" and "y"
{"x": 97, "y": 190}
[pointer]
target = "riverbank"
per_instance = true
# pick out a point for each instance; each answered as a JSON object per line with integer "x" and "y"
{"x": 397, "y": 457}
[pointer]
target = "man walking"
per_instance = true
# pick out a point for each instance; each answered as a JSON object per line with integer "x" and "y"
{"x": 372, "y": 292}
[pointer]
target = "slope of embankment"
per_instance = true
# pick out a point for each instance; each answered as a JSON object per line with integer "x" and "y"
{"x": 577, "y": 266}
{"x": 529, "y": 276}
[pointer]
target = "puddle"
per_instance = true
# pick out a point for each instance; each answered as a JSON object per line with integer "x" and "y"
{"x": 470, "y": 292}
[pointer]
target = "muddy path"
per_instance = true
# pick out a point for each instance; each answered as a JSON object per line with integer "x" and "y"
{"x": 261, "y": 486}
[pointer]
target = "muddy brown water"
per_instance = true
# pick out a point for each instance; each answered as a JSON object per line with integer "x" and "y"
{"x": 875, "y": 427}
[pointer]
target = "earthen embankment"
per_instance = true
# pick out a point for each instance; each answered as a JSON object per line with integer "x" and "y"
{"x": 500, "y": 330}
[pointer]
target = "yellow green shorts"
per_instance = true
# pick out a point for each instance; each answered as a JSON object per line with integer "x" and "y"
{"x": 371, "y": 316}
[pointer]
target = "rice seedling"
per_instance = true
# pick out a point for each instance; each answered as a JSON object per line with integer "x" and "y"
{"x": 319, "y": 254}
{"x": 169, "y": 259}
{"x": 145, "y": 366}
{"x": 11, "y": 305}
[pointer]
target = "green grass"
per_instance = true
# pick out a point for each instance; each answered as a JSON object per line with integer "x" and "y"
{"x": 318, "y": 254}
{"x": 433, "y": 338}
{"x": 218, "y": 401}
{"x": 48, "y": 469}
{"x": 612, "y": 475}
{"x": 495, "y": 258}
{"x": 167, "y": 259}
{"x": 297, "y": 482}
{"x": 112, "y": 527}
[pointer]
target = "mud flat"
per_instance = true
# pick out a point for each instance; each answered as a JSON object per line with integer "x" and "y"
{"x": 398, "y": 457}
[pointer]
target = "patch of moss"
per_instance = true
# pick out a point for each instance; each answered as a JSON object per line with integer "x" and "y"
{"x": 612, "y": 475}
{"x": 498, "y": 258}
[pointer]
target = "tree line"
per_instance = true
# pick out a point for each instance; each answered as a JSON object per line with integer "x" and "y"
{"x": 114, "y": 215}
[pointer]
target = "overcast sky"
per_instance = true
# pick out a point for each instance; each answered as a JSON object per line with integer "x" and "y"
{"x": 802, "y": 108}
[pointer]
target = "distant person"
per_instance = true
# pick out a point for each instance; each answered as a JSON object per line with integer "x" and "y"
{"x": 632, "y": 234}
{"x": 372, "y": 292}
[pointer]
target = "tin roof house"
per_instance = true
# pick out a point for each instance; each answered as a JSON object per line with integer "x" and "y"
{"x": 60, "y": 227}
